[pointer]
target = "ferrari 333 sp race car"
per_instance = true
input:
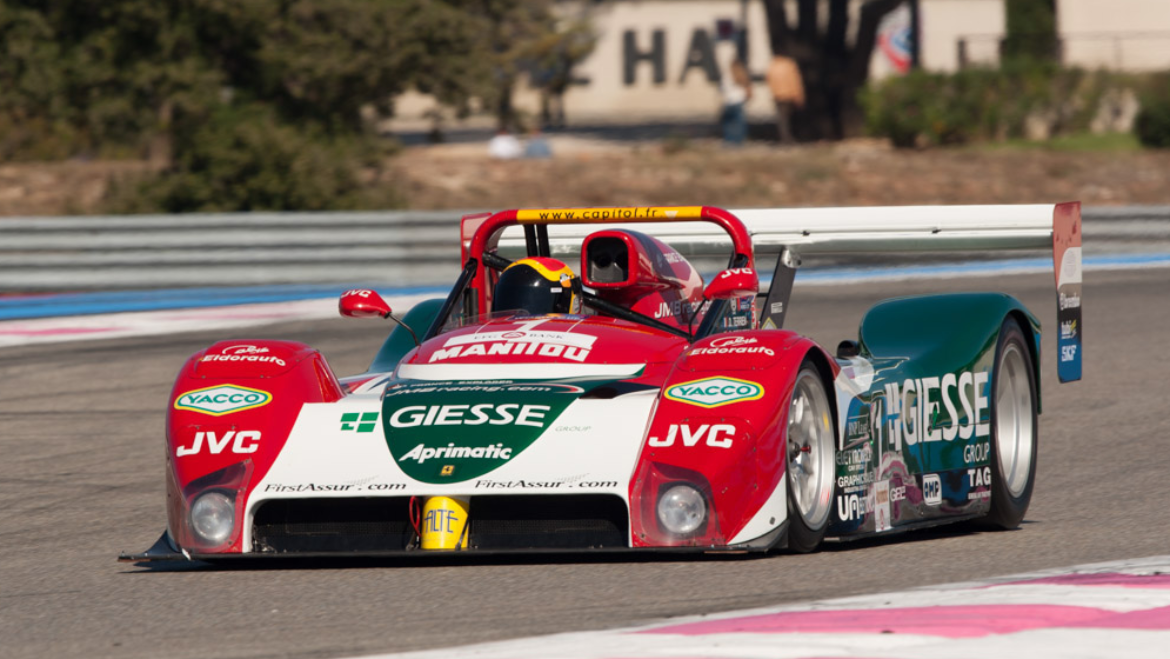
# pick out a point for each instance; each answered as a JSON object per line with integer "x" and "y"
{"x": 633, "y": 406}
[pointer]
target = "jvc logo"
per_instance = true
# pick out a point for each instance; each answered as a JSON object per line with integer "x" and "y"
{"x": 243, "y": 441}
{"x": 718, "y": 435}
{"x": 931, "y": 489}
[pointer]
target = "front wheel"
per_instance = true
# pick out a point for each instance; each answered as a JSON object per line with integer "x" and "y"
{"x": 811, "y": 461}
{"x": 1013, "y": 428}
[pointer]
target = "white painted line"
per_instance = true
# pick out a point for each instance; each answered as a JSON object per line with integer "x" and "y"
{"x": 149, "y": 323}
{"x": 1118, "y": 610}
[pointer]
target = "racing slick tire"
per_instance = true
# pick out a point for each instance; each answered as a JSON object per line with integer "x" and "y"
{"x": 811, "y": 461}
{"x": 1013, "y": 428}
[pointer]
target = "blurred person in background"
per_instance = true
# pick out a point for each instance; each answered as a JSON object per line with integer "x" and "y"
{"x": 787, "y": 91}
{"x": 735, "y": 87}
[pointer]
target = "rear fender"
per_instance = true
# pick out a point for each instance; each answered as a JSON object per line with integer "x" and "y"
{"x": 718, "y": 425}
{"x": 231, "y": 410}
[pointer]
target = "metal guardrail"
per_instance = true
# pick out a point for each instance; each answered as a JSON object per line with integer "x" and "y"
{"x": 407, "y": 248}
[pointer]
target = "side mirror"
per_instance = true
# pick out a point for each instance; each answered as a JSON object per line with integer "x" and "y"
{"x": 363, "y": 303}
{"x": 736, "y": 282}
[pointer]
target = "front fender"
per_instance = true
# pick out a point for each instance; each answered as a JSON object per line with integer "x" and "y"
{"x": 719, "y": 425}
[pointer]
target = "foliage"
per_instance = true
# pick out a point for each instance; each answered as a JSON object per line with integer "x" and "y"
{"x": 833, "y": 66}
{"x": 246, "y": 159}
{"x": 1152, "y": 126}
{"x": 983, "y": 104}
{"x": 1031, "y": 31}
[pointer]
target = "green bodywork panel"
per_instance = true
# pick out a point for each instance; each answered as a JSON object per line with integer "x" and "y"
{"x": 400, "y": 342}
{"x": 924, "y": 409}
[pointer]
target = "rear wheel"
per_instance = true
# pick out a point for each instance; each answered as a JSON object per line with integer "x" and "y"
{"x": 811, "y": 461}
{"x": 1013, "y": 428}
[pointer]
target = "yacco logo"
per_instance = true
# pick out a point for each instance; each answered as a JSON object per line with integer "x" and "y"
{"x": 719, "y": 435}
{"x": 361, "y": 422}
{"x": 244, "y": 442}
{"x": 714, "y": 392}
{"x": 244, "y": 353}
{"x": 915, "y": 406}
{"x": 734, "y": 345}
{"x": 222, "y": 399}
{"x": 523, "y": 340}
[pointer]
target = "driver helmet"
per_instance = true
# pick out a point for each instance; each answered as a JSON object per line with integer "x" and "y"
{"x": 538, "y": 285}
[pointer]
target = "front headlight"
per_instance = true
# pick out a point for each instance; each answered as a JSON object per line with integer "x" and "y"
{"x": 213, "y": 516}
{"x": 681, "y": 509}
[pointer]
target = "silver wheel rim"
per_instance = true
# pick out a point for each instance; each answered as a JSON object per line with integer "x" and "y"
{"x": 1013, "y": 420}
{"x": 810, "y": 450}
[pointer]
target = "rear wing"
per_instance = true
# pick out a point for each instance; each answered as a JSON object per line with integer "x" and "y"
{"x": 792, "y": 232}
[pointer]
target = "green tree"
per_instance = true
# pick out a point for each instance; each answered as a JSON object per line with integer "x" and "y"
{"x": 1031, "y": 31}
{"x": 834, "y": 68}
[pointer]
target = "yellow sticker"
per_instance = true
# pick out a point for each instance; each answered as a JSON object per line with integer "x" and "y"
{"x": 618, "y": 214}
{"x": 444, "y": 523}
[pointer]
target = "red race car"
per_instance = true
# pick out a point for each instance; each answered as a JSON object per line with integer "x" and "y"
{"x": 628, "y": 405}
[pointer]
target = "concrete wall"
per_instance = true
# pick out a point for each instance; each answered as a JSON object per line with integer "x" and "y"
{"x": 1124, "y": 35}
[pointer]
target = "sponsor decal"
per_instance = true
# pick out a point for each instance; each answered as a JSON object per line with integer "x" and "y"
{"x": 502, "y": 386}
{"x": 562, "y": 483}
{"x": 244, "y": 353}
{"x": 853, "y": 506}
{"x": 734, "y": 345}
{"x": 898, "y": 493}
{"x": 915, "y": 406}
{"x": 623, "y": 213}
{"x": 856, "y": 459}
{"x": 1068, "y": 329}
{"x": 1070, "y": 301}
{"x": 932, "y": 489}
{"x": 525, "y": 340}
{"x": 882, "y": 506}
{"x": 421, "y": 454}
{"x": 222, "y": 399}
{"x": 715, "y": 392}
{"x": 441, "y": 433}
{"x": 977, "y": 453}
{"x": 979, "y": 477}
{"x": 360, "y": 422}
{"x": 242, "y": 441}
{"x": 334, "y": 487}
{"x": 854, "y": 480}
{"x": 719, "y": 435}
{"x": 675, "y": 308}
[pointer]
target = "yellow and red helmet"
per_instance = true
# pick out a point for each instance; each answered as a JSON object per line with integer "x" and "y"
{"x": 538, "y": 285}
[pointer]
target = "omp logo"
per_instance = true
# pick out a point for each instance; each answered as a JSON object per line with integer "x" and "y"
{"x": 222, "y": 399}
{"x": 715, "y": 392}
{"x": 718, "y": 435}
{"x": 931, "y": 489}
{"x": 240, "y": 442}
{"x": 361, "y": 422}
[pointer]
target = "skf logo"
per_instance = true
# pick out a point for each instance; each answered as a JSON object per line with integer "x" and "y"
{"x": 715, "y": 392}
{"x": 719, "y": 435}
{"x": 242, "y": 442}
{"x": 222, "y": 399}
{"x": 931, "y": 489}
{"x": 363, "y": 422}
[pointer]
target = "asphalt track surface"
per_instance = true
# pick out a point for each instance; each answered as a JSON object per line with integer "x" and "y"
{"x": 81, "y": 458}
